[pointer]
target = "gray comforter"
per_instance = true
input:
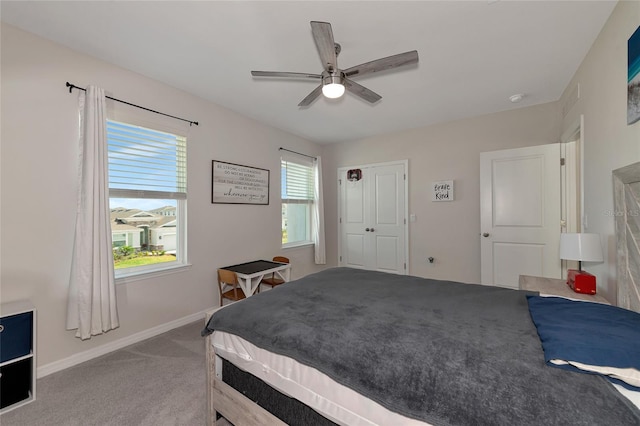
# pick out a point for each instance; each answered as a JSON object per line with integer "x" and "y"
{"x": 442, "y": 352}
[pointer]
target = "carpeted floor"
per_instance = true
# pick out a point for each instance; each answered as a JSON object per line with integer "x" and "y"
{"x": 160, "y": 381}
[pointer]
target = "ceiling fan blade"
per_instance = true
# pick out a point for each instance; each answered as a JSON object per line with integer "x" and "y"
{"x": 361, "y": 91}
{"x": 383, "y": 64}
{"x": 315, "y": 94}
{"x": 285, "y": 74}
{"x": 323, "y": 37}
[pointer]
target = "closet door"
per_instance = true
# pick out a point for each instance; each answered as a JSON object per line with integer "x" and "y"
{"x": 372, "y": 220}
{"x": 354, "y": 215}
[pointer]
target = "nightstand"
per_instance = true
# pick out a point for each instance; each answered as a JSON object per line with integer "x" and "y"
{"x": 556, "y": 287}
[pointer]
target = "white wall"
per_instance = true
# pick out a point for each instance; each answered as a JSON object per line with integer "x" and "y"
{"x": 450, "y": 232}
{"x": 609, "y": 143}
{"x": 39, "y": 163}
{"x": 38, "y": 175}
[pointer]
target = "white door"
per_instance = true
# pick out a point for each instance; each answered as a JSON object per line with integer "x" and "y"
{"x": 373, "y": 218}
{"x": 520, "y": 214}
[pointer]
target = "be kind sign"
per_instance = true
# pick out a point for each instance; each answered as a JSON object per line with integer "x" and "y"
{"x": 442, "y": 191}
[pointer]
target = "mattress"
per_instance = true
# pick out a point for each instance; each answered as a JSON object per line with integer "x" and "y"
{"x": 306, "y": 384}
{"x": 336, "y": 402}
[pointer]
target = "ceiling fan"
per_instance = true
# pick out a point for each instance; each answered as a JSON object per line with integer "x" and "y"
{"x": 335, "y": 81}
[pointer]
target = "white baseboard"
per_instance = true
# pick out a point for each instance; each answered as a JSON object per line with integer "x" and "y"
{"x": 81, "y": 357}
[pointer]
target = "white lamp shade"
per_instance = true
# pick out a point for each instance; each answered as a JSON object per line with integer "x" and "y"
{"x": 333, "y": 90}
{"x": 582, "y": 247}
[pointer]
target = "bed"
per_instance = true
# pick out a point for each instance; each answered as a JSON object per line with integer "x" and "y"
{"x": 354, "y": 347}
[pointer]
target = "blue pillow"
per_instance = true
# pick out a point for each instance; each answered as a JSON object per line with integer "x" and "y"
{"x": 589, "y": 337}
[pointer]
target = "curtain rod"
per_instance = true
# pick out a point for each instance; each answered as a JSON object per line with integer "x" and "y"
{"x": 73, "y": 86}
{"x": 299, "y": 153}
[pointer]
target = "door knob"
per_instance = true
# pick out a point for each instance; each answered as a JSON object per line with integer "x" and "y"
{"x": 367, "y": 229}
{"x": 486, "y": 234}
{"x": 372, "y": 229}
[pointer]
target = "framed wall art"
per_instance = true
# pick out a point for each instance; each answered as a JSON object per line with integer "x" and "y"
{"x": 237, "y": 184}
{"x": 442, "y": 190}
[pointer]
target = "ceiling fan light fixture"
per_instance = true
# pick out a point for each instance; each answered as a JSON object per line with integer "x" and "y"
{"x": 334, "y": 81}
{"x": 333, "y": 90}
{"x": 333, "y": 86}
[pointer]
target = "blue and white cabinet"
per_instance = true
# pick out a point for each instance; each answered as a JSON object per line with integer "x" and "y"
{"x": 17, "y": 354}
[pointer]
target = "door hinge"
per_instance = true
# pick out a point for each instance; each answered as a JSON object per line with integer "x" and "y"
{"x": 405, "y": 220}
{"x": 405, "y": 176}
{"x": 405, "y": 266}
{"x": 339, "y": 181}
{"x": 340, "y": 258}
{"x": 340, "y": 220}
{"x": 562, "y": 161}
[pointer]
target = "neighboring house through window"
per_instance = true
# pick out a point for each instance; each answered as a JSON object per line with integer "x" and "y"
{"x": 148, "y": 198}
{"x": 297, "y": 194}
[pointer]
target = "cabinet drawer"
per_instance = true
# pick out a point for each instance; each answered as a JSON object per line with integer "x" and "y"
{"x": 15, "y": 382}
{"x": 15, "y": 336}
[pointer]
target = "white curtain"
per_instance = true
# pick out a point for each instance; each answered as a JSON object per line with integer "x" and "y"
{"x": 91, "y": 306}
{"x": 318, "y": 215}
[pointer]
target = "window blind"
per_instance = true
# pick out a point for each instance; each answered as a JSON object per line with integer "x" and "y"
{"x": 297, "y": 180}
{"x": 145, "y": 163}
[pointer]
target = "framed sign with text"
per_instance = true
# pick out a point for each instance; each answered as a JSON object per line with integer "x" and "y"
{"x": 237, "y": 184}
{"x": 442, "y": 191}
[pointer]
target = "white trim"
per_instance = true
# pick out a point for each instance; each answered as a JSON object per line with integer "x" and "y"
{"x": 81, "y": 357}
{"x": 574, "y": 129}
{"x": 150, "y": 273}
{"x": 386, "y": 163}
{"x": 297, "y": 244}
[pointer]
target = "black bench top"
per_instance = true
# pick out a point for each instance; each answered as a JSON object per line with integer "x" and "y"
{"x": 249, "y": 268}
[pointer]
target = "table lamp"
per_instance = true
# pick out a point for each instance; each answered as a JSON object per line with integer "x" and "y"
{"x": 583, "y": 248}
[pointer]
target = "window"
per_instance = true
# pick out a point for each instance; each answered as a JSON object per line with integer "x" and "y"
{"x": 297, "y": 201}
{"x": 147, "y": 198}
{"x": 118, "y": 239}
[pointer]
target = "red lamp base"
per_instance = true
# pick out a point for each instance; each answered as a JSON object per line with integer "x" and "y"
{"x": 581, "y": 281}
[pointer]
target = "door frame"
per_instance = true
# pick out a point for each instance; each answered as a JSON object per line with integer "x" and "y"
{"x": 574, "y": 160}
{"x": 340, "y": 173}
{"x": 575, "y": 133}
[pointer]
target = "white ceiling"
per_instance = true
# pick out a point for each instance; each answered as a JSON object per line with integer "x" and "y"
{"x": 473, "y": 54}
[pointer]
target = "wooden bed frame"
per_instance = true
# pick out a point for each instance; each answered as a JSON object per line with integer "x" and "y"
{"x": 231, "y": 404}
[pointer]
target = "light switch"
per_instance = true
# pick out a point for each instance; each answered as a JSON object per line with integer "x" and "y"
{"x": 412, "y": 217}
